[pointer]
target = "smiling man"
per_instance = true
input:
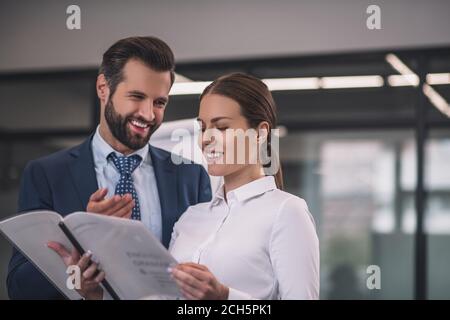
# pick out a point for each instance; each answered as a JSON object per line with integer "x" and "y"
{"x": 115, "y": 171}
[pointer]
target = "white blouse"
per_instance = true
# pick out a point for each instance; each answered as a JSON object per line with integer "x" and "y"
{"x": 261, "y": 242}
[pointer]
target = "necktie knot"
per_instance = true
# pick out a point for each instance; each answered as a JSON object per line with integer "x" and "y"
{"x": 125, "y": 165}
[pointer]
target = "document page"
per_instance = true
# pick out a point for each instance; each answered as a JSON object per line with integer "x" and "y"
{"x": 134, "y": 261}
{"x": 29, "y": 233}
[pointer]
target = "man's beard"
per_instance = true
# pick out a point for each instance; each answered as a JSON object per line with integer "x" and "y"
{"x": 119, "y": 127}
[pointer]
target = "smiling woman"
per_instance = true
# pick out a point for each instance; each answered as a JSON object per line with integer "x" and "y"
{"x": 218, "y": 259}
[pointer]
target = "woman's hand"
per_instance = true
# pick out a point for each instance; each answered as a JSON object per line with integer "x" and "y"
{"x": 91, "y": 276}
{"x": 196, "y": 282}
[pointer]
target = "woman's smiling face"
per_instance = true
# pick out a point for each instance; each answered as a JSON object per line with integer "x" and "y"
{"x": 221, "y": 121}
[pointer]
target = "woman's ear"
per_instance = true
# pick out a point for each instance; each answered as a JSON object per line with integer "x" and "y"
{"x": 102, "y": 88}
{"x": 263, "y": 131}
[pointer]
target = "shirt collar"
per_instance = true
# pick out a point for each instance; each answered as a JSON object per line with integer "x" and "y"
{"x": 101, "y": 150}
{"x": 247, "y": 191}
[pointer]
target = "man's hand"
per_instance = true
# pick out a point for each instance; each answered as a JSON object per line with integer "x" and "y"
{"x": 117, "y": 206}
{"x": 196, "y": 282}
{"x": 91, "y": 276}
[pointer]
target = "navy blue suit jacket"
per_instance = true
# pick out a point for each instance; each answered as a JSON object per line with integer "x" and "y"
{"x": 64, "y": 181}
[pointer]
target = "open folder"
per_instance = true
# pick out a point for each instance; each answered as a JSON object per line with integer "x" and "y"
{"x": 134, "y": 261}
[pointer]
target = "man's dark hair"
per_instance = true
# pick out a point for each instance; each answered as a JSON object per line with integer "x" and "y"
{"x": 153, "y": 52}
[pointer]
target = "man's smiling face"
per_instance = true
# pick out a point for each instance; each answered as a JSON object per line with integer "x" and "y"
{"x": 136, "y": 108}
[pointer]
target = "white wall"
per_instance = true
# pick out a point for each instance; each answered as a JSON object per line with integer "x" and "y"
{"x": 33, "y": 33}
{"x": 178, "y": 137}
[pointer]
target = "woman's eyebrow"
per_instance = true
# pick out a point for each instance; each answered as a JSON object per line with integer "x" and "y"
{"x": 214, "y": 120}
{"x": 219, "y": 118}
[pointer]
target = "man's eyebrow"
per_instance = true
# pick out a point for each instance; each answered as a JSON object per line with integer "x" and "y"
{"x": 137, "y": 92}
{"x": 165, "y": 99}
{"x": 143, "y": 94}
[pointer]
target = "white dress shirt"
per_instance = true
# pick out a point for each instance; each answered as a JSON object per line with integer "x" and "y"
{"x": 260, "y": 242}
{"x": 144, "y": 181}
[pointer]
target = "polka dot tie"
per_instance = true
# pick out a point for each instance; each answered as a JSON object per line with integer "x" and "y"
{"x": 126, "y": 166}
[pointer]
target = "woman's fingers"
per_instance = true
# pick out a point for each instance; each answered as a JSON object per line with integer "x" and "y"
{"x": 186, "y": 278}
{"x": 198, "y": 273}
{"x": 187, "y": 295}
{"x": 192, "y": 286}
{"x": 194, "y": 265}
{"x": 187, "y": 288}
{"x": 199, "y": 282}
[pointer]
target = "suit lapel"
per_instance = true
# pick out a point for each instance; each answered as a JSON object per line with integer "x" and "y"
{"x": 166, "y": 180}
{"x": 83, "y": 172}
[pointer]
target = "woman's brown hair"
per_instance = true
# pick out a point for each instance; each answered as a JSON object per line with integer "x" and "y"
{"x": 256, "y": 102}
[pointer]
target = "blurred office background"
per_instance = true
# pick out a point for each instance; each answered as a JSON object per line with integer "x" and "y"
{"x": 365, "y": 141}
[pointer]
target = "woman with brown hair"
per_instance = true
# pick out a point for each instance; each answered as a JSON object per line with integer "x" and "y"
{"x": 253, "y": 240}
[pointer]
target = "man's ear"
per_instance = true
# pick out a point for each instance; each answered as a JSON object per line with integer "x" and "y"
{"x": 102, "y": 88}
